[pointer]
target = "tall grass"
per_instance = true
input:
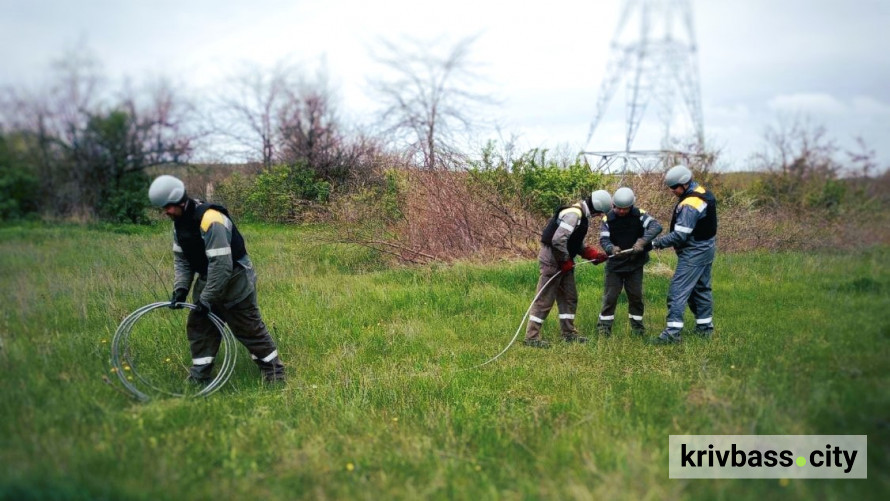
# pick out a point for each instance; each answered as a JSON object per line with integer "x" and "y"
{"x": 383, "y": 400}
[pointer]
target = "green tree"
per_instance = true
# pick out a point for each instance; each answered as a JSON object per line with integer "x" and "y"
{"x": 19, "y": 186}
{"x": 537, "y": 183}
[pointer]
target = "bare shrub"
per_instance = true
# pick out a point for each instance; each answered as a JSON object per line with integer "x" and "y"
{"x": 441, "y": 216}
{"x": 449, "y": 219}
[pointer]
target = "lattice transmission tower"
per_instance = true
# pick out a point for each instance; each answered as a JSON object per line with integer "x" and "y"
{"x": 658, "y": 62}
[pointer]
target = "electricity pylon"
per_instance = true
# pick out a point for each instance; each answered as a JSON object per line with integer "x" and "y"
{"x": 659, "y": 64}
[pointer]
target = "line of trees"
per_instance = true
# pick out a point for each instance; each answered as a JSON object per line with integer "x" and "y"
{"x": 78, "y": 147}
{"x": 75, "y": 151}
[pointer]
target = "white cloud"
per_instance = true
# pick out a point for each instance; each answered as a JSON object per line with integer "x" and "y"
{"x": 868, "y": 105}
{"x": 546, "y": 61}
{"x": 727, "y": 113}
{"x": 813, "y": 103}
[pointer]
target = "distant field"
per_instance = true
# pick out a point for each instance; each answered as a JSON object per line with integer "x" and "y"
{"x": 379, "y": 404}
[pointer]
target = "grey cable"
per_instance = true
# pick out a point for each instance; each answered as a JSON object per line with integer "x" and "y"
{"x": 528, "y": 311}
{"x": 120, "y": 353}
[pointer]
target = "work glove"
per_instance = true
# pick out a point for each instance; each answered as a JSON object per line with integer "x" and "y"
{"x": 639, "y": 246}
{"x": 179, "y": 296}
{"x": 203, "y": 309}
{"x": 656, "y": 243}
{"x": 615, "y": 250}
{"x": 567, "y": 266}
{"x": 593, "y": 255}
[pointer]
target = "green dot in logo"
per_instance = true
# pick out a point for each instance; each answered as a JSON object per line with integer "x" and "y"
{"x": 801, "y": 461}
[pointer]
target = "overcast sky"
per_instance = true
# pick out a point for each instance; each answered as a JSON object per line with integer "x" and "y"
{"x": 759, "y": 60}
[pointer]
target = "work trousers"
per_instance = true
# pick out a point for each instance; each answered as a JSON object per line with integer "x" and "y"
{"x": 247, "y": 325}
{"x": 691, "y": 285}
{"x": 632, "y": 283}
{"x": 561, "y": 289}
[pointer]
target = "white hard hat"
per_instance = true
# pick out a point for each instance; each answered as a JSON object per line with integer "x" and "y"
{"x": 601, "y": 201}
{"x": 166, "y": 190}
{"x": 679, "y": 174}
{"x": 624, "y": 198}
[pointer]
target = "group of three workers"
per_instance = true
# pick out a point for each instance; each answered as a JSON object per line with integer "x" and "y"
{"x": 627, "y": 234}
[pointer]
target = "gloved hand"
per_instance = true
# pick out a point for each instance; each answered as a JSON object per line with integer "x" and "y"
{"x": 656, "y": 243}
{"x": 203, "y": 309}
{"x": 567, "y": 266}
{"x": 639, "y": 246}
{"x": 179, "y": 296}
{"x": 593, "y": 255}
{"x": 615, "y": 250}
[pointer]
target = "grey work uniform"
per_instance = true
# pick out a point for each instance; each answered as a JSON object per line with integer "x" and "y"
{"x": 625, "y": 271}
{"x": 228, "y": 285}
{"x": 562, "y": 289}
{"x": 693, "y": 237}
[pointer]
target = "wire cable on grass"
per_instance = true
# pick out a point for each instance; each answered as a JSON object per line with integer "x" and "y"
{"x": 524, "y": 318}
{"x": 121, "y": 356}
{"x": 490, "y": 360}
{"x": 120, "y": 344}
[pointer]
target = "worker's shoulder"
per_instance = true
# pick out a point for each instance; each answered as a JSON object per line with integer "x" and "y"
{"x": 574, "y": 210}
{"x": 697, "y": 203}
{"x": 212, "y": 216}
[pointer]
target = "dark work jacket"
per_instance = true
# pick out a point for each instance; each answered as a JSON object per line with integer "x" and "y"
{"x": 706, "y": 227}
{"x": 625, "y": 230}
{"x": 188, "y": 236}
{"x": 576, "y": 241}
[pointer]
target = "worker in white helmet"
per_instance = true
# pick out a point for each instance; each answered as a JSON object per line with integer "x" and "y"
{"x": 207, "y": 244}
{"x": 693, "y": 235}
{"x": 626, "y": 234}
{"x": 562, "y": 240}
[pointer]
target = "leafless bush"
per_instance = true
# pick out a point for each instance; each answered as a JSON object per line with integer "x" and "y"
{"x": 452, "y": 218}
{"x": 441, "y": 216}
{"x": 436, "y": 215}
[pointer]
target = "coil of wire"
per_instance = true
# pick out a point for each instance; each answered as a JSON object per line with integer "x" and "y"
{"x": 125, "y": 366}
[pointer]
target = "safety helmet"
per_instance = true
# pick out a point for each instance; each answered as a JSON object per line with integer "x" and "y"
{"x": 624, "y": 198}
{"x": 601, "y": 201}
{"x": 679, "y": 174}
{"x": 166, "y": 190}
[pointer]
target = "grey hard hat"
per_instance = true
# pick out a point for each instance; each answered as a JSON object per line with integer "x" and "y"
{"x": 624, "y": 198}
{"x": 166, "y": 190}
{"x": 678, "y": 174}
{"x": 602, "y": 202}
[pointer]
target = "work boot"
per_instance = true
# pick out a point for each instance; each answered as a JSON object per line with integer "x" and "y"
{"x": 704, "y": 333}
{"x": 198, "y": 381}
{"x": 665, "y": 338}
{"x": 604, "y": 328}
{"x": 272, "y": 371}
{"x": 638, "y": 331}
{"x": 536, "y": 343}
{"x": 202, "y": 374}
{"x": 574, "y": 338}
{"x": 274, "y": 379}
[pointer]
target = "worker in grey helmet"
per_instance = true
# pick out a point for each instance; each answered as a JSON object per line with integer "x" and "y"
{"x": 626, "y": 235}
{"x": 207, "y": 244}
{"x": 693, "y": 233}
{"x": 562, "y": 240}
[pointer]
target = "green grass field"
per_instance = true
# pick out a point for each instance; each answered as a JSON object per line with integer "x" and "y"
{"x": 382, "y": 400}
